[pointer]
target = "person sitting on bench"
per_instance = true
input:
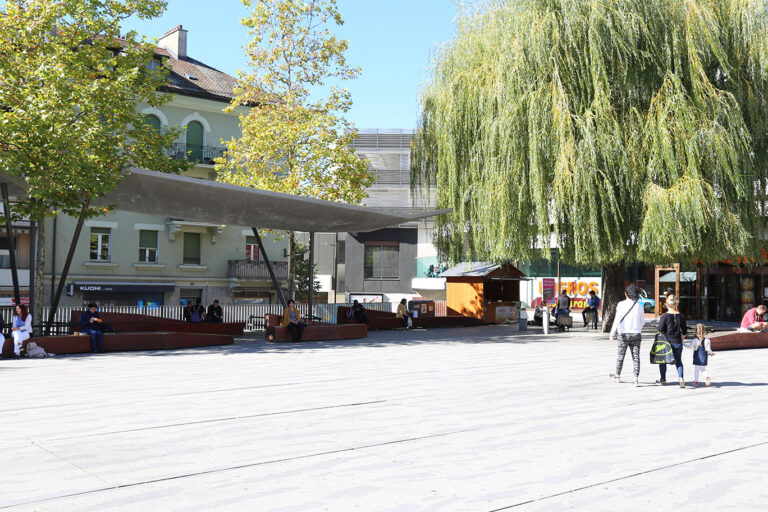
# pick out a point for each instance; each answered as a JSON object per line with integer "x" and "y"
{"x": 21, "y": 328}
{"x": 592, "y": 304}
{"x": 358, "y": 311}
{"x": 403, "y": 313}
{"x": 91, "y": 323}
{"x": 292, "y": 320}
{"x": 215, "y": 313}
{"x": 753, "y": 320}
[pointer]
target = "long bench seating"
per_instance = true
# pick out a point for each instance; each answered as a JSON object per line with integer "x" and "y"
{"x": 736, "y": 340}
{"x": 128, "y": 322}
{"x": 384, "y": 320}
{"x": 313, "y": 332}
{"x": 377, "y": 320}
{"x": 124, "y": 341}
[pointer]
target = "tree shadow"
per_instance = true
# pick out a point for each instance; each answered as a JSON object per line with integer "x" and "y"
{"x": 447, "y": 336}
{"x": 734, "y": 384}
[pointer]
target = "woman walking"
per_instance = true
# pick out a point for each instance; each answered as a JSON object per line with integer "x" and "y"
{"x": 629, "y": 328}
{"x": 672, "y": 325}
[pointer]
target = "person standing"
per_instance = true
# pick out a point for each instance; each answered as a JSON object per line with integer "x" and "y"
{"x": 215, "y": 313}
{"x": 292, "y": 320}
{"x": 702, "y": 349}
{"x": 628, "y": 331}
{"x": 672, "y": 326}
{"x": 593, "y": 303}
{"x": 91, "y": 323}
{"x": 21, "y": 327}
{"x": 563, "y": 307}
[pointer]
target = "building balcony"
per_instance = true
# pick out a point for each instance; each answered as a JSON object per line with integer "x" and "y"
{"x": 197, "y": 154}
{"x": 257, "y": 270}
{"x": 428, "y": 283}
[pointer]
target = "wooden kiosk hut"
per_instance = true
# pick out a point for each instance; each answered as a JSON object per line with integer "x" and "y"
{"x": 484, "y": 290}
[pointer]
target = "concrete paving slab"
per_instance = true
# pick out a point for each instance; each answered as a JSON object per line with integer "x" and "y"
{"x": 448, "y": 419}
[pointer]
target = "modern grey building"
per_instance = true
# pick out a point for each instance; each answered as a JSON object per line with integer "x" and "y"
{"x": 389, "y": 264}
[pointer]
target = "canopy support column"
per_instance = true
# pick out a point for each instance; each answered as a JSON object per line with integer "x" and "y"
{"x": 269, "y": 268}
{"x": 311, "y": 288}
{"x": 67, "y": 264}
{"x": 11, "y": 248}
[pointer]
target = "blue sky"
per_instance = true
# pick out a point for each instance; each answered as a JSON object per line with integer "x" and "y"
{"x": 391, "y": 40}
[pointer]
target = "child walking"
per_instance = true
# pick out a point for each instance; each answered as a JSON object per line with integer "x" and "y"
{"x": 702, "y": 349}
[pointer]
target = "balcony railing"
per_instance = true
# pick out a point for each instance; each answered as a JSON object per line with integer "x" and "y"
{"x": 257, "y": 270}
{"x": 194, "y": 153}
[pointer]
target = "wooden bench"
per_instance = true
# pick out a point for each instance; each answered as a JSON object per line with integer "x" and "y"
{"x": 377, "y": 320}
{"x": 380, "y": 320}
{"x": 313, "y": 332}
{"x": 124, "y": 341}
{"x": 128, "y": 322}
{"x": 731, "y": 340}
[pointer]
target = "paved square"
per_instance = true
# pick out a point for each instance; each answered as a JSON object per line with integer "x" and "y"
{"x": 473, "y": 419}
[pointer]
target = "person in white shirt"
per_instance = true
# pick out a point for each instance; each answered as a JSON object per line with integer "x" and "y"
{"x": 21, "y": 327}
{"x": 628, "y": 328}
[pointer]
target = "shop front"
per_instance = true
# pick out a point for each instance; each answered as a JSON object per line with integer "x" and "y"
{"x": 120, "y": 293}
{"x": 729, "y": 291}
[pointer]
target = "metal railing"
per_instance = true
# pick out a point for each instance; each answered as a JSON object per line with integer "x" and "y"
{"x": 245, "y": 269}
{"x": 195, "y": 153}
{"x": 251, "y": 314}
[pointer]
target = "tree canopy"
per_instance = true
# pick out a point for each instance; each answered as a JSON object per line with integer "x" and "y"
{"x": 69, "y": 87}
{"x": 612, "y": 130}
{"x": 295, "y": 139}
{"x": 292, "y": 141}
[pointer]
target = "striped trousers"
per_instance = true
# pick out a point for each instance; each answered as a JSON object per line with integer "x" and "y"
{"x": 631, "y": 341}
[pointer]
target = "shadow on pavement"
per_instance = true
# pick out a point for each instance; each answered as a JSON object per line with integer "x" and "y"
{"x": 256, "y": 344}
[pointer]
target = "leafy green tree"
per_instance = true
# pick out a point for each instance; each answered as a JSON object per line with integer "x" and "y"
{"x": 615, "y": 131}
{"x": 69, "y": 86}
{"x": 291, "y": 141}
{"x": 302, "y": 273}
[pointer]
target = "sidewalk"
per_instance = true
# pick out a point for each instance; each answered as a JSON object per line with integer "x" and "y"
{"x": 475, "y": 419}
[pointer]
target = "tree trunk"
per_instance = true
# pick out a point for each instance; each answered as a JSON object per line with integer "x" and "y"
{"x": 613, "y": 292}
{"x": 292, "y": 266}
{"x": 37, "y": 293}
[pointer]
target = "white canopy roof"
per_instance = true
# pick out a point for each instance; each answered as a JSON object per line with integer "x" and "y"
{"x": 200, "y": 200}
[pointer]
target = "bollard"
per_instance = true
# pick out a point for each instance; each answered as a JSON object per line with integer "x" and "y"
{"x": 545, "y": 320}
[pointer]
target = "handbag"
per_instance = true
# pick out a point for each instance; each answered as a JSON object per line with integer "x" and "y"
{"x": 661, "y": 351}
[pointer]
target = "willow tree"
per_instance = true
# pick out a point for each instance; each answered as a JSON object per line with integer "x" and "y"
{"x": 295, "y": 139}
{"x": 611, "y": 130}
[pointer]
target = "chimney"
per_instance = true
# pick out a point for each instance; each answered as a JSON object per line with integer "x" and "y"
{"x": 175, "y": 41}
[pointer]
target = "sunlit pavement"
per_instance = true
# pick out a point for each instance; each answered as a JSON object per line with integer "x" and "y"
{"x": 474, "y": 419}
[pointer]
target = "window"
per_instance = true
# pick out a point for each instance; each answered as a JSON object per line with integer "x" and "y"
{"x": 192, "y": 249}
{"x": 195, "y": 141}
{"x": 153, "y": 121}
{"x": 100, "y": 244}
{"x": 147, "y": 246}
{"x": 5, "y": 253}
{"x": 251, "y": 249}
{"x": 382, "y": 260}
